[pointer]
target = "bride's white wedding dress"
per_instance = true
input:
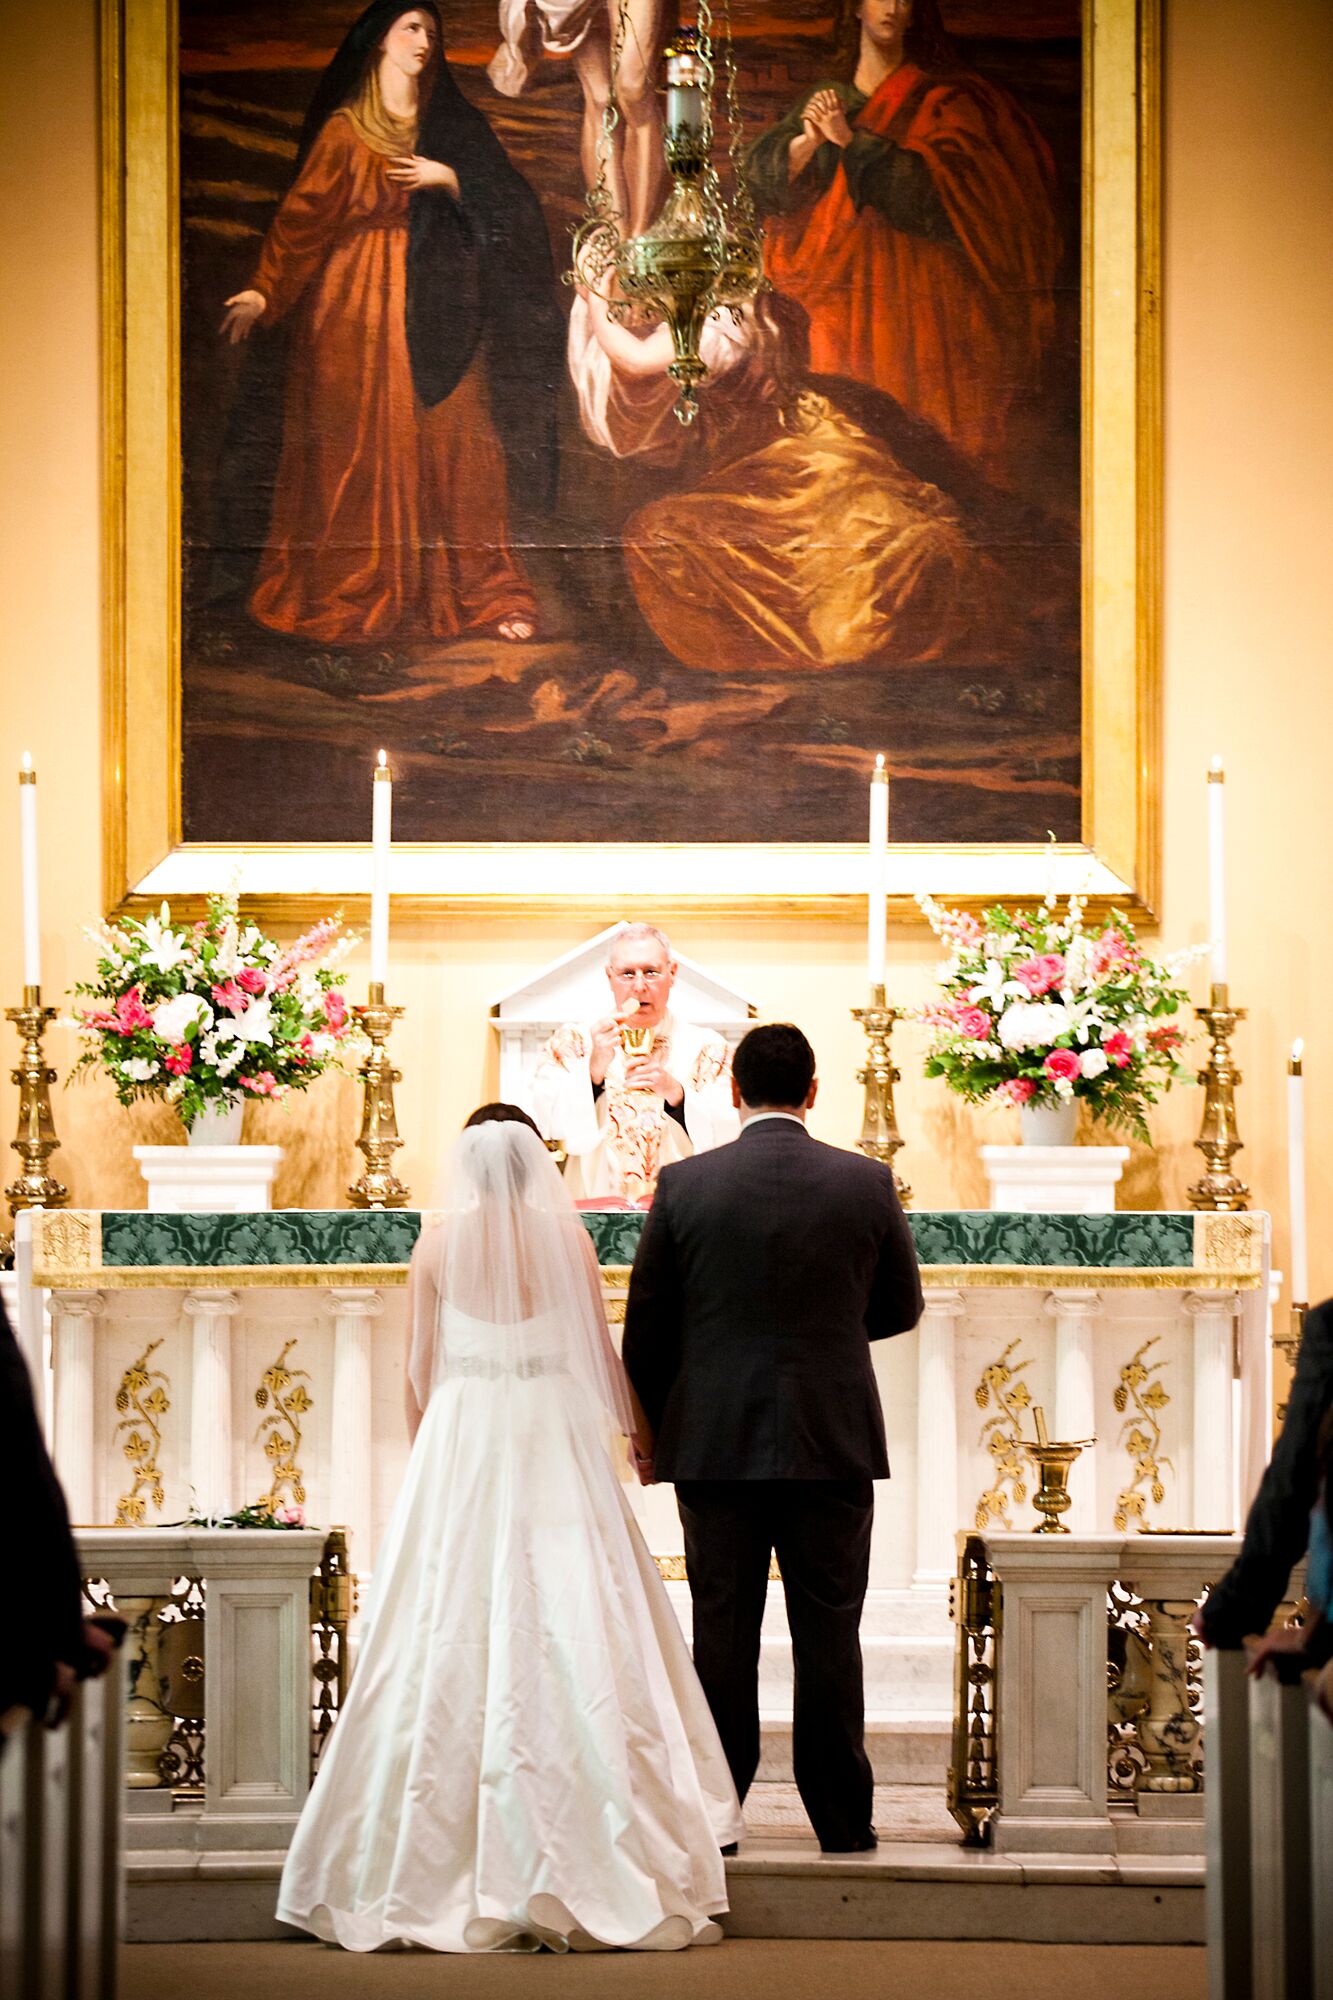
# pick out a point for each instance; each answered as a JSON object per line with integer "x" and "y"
{"x": 525, "y": 1756}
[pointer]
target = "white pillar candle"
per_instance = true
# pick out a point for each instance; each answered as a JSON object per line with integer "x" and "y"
{"x": 876, "y": 918}
{"x": 1217, "y": 888}
{"x": 381, "y": 836}
{"x": 32, "y": 926}
{"x": 1300, "y": 1274}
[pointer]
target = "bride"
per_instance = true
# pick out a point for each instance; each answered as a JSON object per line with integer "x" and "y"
{"x": 525, "y": 1757}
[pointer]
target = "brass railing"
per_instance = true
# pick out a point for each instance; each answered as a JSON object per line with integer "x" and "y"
{"x": 976, "y": 1610}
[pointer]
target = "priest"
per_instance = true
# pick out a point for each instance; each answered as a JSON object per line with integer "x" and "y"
{"x": 638, "y": 1088}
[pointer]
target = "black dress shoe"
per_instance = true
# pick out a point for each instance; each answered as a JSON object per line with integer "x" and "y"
{"x": 730, "y": 1848}
{"x": 862, "y": 1846}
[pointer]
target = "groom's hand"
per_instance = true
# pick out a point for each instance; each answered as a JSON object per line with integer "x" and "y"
{"x": 642, "y": 1461}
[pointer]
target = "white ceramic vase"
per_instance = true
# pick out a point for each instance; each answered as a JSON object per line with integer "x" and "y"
{"x": 1048, "y": 1124}
{"x": 217, "y": 1125}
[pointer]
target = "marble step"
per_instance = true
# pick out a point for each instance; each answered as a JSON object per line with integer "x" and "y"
{"x": 904, "y": 1749}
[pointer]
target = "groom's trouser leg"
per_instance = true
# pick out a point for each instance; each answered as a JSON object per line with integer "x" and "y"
{"x": 821, "y": 1531}
{"x": 727, "y": 1549}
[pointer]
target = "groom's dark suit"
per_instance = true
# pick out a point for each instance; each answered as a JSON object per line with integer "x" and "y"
{"x": 765, "y": 1269}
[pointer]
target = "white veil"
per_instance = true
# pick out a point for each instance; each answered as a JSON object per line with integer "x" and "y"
{"x": 510, "y": 1249}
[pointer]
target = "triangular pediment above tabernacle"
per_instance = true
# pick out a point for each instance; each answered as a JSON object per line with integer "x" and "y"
{"x": 574, "y": 988}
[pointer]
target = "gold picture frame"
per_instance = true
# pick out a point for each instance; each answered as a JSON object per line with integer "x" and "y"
{"x": 1118, "y": 858}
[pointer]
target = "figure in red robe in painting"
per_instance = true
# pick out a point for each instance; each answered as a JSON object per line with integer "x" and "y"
{"x": 911, "y": 213}
{"x": 391, "y": 264}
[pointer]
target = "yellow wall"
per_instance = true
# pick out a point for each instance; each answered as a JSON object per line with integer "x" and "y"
{"x": 1248, "y": 604}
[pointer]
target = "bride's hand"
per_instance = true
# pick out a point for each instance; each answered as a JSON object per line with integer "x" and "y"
{"x": 415, "y": 171}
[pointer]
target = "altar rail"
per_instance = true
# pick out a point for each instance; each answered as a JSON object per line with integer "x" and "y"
{"x": 1078, "y": 1723}
{"x": 61, "y": 1883}
{"x": 1269, "y": 1815}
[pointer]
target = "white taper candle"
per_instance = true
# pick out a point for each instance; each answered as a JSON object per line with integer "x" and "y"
{"x": 1300, "y": 1273}
{"x": 877, "y": 915}
{"x": 32, "y": 922}
{"x": 381, "y": 838}
{"x": 1217, "y": 870}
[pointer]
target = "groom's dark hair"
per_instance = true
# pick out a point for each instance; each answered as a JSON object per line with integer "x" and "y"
{"x": 774, "y": 1065}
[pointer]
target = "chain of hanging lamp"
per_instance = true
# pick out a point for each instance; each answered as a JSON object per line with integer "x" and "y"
{"x": 703, "y": 253}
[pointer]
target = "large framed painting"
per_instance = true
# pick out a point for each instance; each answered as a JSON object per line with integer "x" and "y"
{"x": 378, "y": 478}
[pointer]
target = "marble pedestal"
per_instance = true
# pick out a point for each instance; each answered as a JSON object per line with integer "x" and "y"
{"x": 226, "y": 1180}
{"x": 1054, "y": 1180}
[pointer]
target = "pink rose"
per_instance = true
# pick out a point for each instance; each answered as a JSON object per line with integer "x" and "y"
{"x": 335, "y": 1010}
{"x": 974, "y": 1021}
{"x": 291, "y": 1517}
{"x": 1019, "y": 1089}
{"x": 251, "y": 980}
{"x": 1042, "y": 973}
{"x": 1118, "y": 1047}
{"x": 1062, "y": 1063}
{"x": 179, "y": 1060}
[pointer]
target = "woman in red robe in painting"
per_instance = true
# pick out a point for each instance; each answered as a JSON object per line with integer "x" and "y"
{"x": 911, "y": 214}
{"x": 391, "y": 264}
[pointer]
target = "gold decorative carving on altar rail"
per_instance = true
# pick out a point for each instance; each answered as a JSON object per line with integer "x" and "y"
{"x": 975, "y": 1606}
{"x": 1002, "y": 1435}
{"x": 1144, "y": 1443}
{"x": 285, "y": 1389}
{"x": 143, "y": 1393}
{"x": 333, "y": 1605}
{"x": 141, "y": 499}
{"x": 671, "y": 1569}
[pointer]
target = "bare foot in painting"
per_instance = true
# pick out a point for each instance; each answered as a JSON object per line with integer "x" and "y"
{"x": 516, "y": 629}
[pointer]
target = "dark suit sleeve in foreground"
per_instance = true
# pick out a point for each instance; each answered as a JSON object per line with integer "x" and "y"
{"x": 1278, "y": 1529}
{"x": 42, "y": 1584}
{"x": 651, "y": 1345}
{"x": 895, "y": 1303}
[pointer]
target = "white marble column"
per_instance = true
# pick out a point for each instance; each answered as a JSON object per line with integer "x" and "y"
{"x": 1075, "y": 1414}
{"x": 1214, "y": 1316}
{"x": 936, "y": 1439}
{"x": 209, "y": 1472}
{"x": 350, "y": 1447}
{"x": 73, "y": 1357}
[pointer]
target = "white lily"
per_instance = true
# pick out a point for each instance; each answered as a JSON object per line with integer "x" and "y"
{"x": 162, "y": 946}
{"x": 256, "y": 1023}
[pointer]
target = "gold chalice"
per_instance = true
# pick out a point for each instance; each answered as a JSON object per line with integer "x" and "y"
{"x": 635, "y": 1040}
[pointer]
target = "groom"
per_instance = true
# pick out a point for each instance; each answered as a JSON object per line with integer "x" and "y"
{"x": 764, "y": 1271}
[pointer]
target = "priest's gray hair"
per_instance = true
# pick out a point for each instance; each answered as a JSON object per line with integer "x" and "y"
{"x": 634, "y": 933}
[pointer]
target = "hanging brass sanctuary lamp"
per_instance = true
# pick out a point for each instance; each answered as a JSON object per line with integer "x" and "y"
{"x": 704, "y": 253}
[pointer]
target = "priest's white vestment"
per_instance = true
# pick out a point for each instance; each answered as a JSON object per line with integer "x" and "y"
{"x": 619, "y": 1139}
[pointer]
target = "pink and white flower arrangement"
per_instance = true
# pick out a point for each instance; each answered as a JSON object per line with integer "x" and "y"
{"x": 1038, "y": 1008}
{"x": 214, "y": 1013}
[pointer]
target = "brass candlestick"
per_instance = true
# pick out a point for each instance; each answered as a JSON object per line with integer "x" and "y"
{"x": 1217, "y": 1187}
{"x": 379, "y": 1186}
{"x": 880, "y": 1137}
{"x": 36, "y": 1138}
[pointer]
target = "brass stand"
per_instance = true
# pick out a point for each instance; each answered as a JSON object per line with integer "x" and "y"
{"x": 1217, "y": 1187}
{"x": 379, "y": 1186}
{"x": 36, "y": 1140}
{"x": 1052, "y": 1497}
{"x": 1289, "y": 1343}
{"x": 880, "y": 1137}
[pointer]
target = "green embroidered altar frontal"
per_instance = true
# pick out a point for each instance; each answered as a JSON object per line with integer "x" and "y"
{"x": 131, "y": 1248}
